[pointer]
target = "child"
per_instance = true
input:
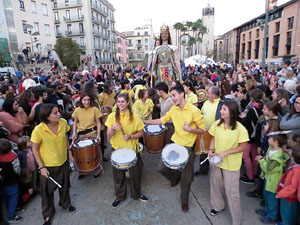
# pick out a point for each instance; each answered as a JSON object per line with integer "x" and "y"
{"x": 10, "y": 168}
{"x": 272, "y": 168}
{"x": 287, "y": 190}
{"x": 28, "y": 169}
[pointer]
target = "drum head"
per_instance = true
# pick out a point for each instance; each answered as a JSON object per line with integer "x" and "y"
{"x": 175, "y": 155}
{"x": 154, "y": 129}
{"x": 123, "y": 156}
{"x": 84, "y": 143}
{"x": 215, "y": 160}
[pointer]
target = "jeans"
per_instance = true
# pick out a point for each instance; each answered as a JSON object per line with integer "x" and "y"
{"x": 289, "y": 212}
{"x": 272, "y": 204}
{"x": 10, "y": 197}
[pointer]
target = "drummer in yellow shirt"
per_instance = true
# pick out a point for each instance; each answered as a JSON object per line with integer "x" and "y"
{"x": 126, "y": 89}
{"x": 190, "y": 95}
{"x": 144, "y": 105}
{"x": 124, "y": 128}
{"x": 188, "y": 122}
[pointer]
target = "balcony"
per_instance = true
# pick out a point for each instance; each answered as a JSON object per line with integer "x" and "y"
{"x": 58, "y": 35}
{"x": 74, "y": 19}
{"x": 82, "y": 46}
{"x": 99, "y": 47}
{"x": 75, "y": 33}
{"x": 95, "y": 20}
{"x": 104, "y": 24}
{"x": 63, "y": 6}
{"x": 57, "y": 21}
{"x": 97, "y": 33}
{"x": 113, "y": 39}
{"x": 98, "y": 9}
{"x": 105, "y": 36}
{"x": 139, "y": 45}
{"x": 106, "y": 48}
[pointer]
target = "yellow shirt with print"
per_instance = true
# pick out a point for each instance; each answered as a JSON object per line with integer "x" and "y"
{"x": 141, "y": 109}
{"x": 191, "y": 98}
{"x": 189, "y": 114}
{"x": 53, "y": 148}
{"x": 226, "y": 139}
{"x": 209, "y": 110}
{"x": 87, "y": 118}
{"x": 129, "y": 128}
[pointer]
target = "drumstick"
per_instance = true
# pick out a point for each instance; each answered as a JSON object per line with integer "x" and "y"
{"x": 55, "y": 182}
{"x": 204, "y": 160}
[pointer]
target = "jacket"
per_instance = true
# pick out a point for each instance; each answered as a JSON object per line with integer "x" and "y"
{"x": 291, "y": 123}
{"x": 9, "y": 164}
{"x": 272, "y": 169}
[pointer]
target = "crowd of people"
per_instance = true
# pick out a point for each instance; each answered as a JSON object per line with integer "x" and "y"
{"x": 244, "y": 114}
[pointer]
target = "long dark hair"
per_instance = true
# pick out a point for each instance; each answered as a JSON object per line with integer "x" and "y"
{"x": 126, "y": 97}
{"x": 190, "y": 85}
{"x": 106, "y": 86}
{"x": 8, "y": 106}
{"x": 169, "y": 39}
{"x": 292, "y": 110}
{"x": 233, "y": 111}
{"x": 257, "y": 95}
{"x": 25, "y": 97}
{"x": 84, "y": 94}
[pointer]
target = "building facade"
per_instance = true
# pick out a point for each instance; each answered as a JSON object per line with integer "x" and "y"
{"x": 245, "y": 42}
{"x": 29, "y": 26}
{"x": 122, "y": 56}
{"x": 139, "y": 43}
{"x": 91, "y": 24}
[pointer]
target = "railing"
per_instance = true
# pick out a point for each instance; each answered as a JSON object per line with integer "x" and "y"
{"x": 72, "y": 33}
{"x": 58, "y": 35}
{"x": 74, "y": 19}
{"x": 97, "y": 8}
{"x": 98, "y": 34}
{"x": 63, "y": 6}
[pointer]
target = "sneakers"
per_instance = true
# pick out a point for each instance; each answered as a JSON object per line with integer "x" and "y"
{"x": 246, "y": 180}
{"x": 20, "y": 210}
{"x": 267, "y": 220}
{"x": 261, "y": 212}
{"x": 214, "y": 212}
{"x": 116, "y": 204}
{"x": 143, "y": 198}
{"x": 71, "y": 209}
{"x": 97, "y": 177}
{"x": 16, "y": 219}
{"x": 81, "y": 176}
{"x": 199, "y": 173}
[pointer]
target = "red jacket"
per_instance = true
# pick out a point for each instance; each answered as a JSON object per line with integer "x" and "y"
{"x": 291, "y": 184}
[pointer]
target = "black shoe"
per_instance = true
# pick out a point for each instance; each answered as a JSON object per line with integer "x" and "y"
{"x": 96, "y": 177}
{"x": 199, "y": 173}
{"x": 246, "y": 180}
{"x": 116, "y": 204}
{"x": 48, "y": 222}
{"x": 214, "y": 212}
{"x": 105, "y": 159}
{"x": 81, "y": 176}
{"x": 262, "y": 203}
{"x": 71, "y": 209}
{"x": 143, "y": 198}
{"x": 253, "y": 194}
{"x": 15, "y": 219}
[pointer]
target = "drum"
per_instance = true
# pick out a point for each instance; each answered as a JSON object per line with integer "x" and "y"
{"x": 202, "y": 143}
{"x": 155, "y": 137}
{"x": 123, "y": 158}
{"x": 175, "y": 156}
{"x": 86, "y": 154}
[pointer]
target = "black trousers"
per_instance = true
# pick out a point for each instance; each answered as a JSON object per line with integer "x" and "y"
{"x": 185, "y": 176}
{"x": 135, "y": 180}
{"x": 62, "y": 175}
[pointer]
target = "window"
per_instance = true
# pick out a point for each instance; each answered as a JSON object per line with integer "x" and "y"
{"x": 66, "y": 2}
{"x": 250, "y": 35}
{"x": 57, "y": 28}
{"x": 129, "y": 42}
{"x": 81, "y": 30}
{"x": 79, "y": 14}
{"x": 36, "y": 27}
{"x": 243, "y": 51}
{"x": 249, "y": 49}
{"x": 22, "y": 6}
{"x": 33, "y": 6}
{"x": 24, "y": 25}
{"x": 244, "y": 37}
{"x": 55, "y": 4}
{"x": 288, "y": 42}
{"x": 138, "y": 33}
{"x": 146, "y": 32}
{"x": 69, "y": 28}
{"x": 276, "y": 40}
{"x": 146, "y": 47}
{"x": 68, "y": 14}
{"x": 146, "y": 40}
{"x": 47, "y": 29}
{"x": 82, "y": 43}
{"x": 257, "y": 33}
{"x": 256, "y": 50}
{"x": 139, "y": 56}
{"x": 290, "y": 23}
{"x": 44, "y": 9}
{"x": 56, "y": 16}
{"x": 49, "y": 46}
{"x": 277, "y": 27}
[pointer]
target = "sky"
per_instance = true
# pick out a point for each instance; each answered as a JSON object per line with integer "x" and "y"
{"x": 228, "y": 13}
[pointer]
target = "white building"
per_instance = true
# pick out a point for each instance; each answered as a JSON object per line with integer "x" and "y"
{"x": 139, "y": 42}
{"x": 91, "y": 24}
{"x": 29, "y": 25}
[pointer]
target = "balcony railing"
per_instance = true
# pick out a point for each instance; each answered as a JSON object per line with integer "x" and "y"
{"x": 58, "y": 35}
{"x": 95, "y": 20}
{"x": 104, "y": 24}
{"x": 97, "y": 33}
{"x": 105, "y": 36}
{"x": 74, "y": 19}
{"x": 63, "y": 6}
{"x": 56, "y": 21}
{"x": 76, "y": 33}
{"x": 98, "y": 9}
{"x": 99, "y": 47}
{"x": 82, "y": 46}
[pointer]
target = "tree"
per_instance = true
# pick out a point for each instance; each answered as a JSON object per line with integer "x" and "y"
{"x": 2, "y": 60}
{"x": 68, "y": 52}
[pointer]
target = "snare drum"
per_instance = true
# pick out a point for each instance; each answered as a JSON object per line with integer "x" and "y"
{"x": 175, "y": 156}
{"x": 155, "y": 137}
{"x": 123, "y": 158}
{"x": 86, "y": 154}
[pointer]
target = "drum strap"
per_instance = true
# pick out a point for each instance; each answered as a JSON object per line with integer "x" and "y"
{"x": 87, "y": 131}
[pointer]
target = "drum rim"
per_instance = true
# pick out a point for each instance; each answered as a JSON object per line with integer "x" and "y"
{"x": 82, "y": 139}
{"x": 161, "y": 125}
{"x": 114, "y": 152}
{"x": 128, "y": 165}
{"x": 162, "y": 155}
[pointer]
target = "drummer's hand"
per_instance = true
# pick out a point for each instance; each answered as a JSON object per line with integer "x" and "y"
{"x": 45, "y": 172}
{"x": 98, "y": 138}
{"x": 210, "y": 153}
{"x": 116, "y": 127}
{"x": 71, "y": 158}
{"x": 126, "y": 137}
{"x": 186, "y": 127}
{"x": 220, "y": 154}
{"x": 74, "y": 136}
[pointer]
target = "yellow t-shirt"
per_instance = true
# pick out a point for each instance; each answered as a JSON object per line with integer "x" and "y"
{"x": 226, "y": 139}
{"x": 87, "y": 118}
{"x": 189, "y": 114}
{"x": 191, "y": 98}
{"x": 130, "y": 93}
{"x": 138, "y": 87}
{"x": 127, "y": 75}
{"x": 53, "y": 148}
{"x": 129, "y": 128}
{"x": 142, "y": 110}
{"x": 209, "y": 110}
{"x": 107, "y": 99}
